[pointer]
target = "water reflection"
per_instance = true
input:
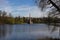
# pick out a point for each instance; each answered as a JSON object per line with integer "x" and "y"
{"x": 5, "y": 30}
{"x": 25, "y": 31}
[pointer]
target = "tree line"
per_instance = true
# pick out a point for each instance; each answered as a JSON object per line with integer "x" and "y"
{"x": 9, "y": 19}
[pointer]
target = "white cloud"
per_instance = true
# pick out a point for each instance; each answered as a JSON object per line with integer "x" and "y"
{"x": 4, "y": 3}
{"x": 22, "y": 10}
{"x": 5, "y": 6}
{"x": 23, "y": 7}
{"x": 34, "y": 11}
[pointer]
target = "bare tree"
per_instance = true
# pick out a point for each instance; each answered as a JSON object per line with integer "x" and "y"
{"x": 54, "y": 6}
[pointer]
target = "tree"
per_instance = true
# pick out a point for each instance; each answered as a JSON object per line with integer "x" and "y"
{"x": 53, "y": 5}
{"x": 10, "y": 15}
{"x": 4, "y": 13}
{"x": 0, "y": 13}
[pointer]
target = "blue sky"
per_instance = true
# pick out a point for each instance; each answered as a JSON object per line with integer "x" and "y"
{"x": 22, "y": 2}
{"x": 21, "y": 8}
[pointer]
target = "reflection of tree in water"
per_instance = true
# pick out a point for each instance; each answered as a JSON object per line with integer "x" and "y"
{"x": 2, "y": 30}
{"x": 5, "y": 29}
{"x": 10, "y": 27}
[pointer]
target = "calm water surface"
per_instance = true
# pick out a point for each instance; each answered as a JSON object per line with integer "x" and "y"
{"x": 28, "y": 32}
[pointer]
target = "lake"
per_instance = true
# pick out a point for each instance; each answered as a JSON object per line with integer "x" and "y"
{"x": 27, "y": 32}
